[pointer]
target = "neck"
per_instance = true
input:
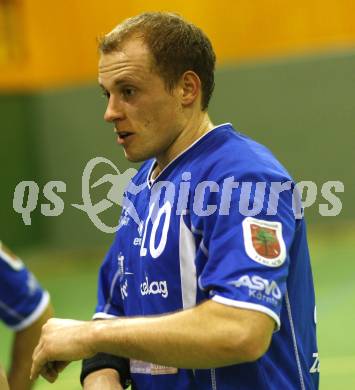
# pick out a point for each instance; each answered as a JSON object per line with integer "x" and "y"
{"x": 193, "y": 130}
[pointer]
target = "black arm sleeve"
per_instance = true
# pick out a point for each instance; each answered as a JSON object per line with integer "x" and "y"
{"x": 104, "y": 360}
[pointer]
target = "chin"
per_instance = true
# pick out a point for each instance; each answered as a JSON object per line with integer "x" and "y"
{"x": 135, "y": 158}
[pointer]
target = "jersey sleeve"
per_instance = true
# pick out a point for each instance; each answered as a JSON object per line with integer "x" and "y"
{"x": 109, "y": 302}
{"x": 247, "y": 252}
{"x": 22, "y": 299}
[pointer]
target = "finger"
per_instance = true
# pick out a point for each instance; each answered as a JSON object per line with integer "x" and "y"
{"x": 35, "y": 354}
{"x": 36, "y": 351}
{"x": 51, "y": 370}
{"x": 60, "y": 366}
{"x": 49, "y": 373}
{"x": 39, "y": 361}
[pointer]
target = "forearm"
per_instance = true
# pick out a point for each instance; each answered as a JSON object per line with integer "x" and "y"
{"x": 22, "y": 349}
{"x": 202, "y": 337}
{"x": 106, "y": 379}
{"x": 208, "y": 335}
{"x": 3, "y": 380}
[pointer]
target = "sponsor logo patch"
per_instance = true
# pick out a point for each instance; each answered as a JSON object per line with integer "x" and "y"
{"x": 156, "y": 287}
{"x": 259, "y": 288}
{"x": 264, "y": 242}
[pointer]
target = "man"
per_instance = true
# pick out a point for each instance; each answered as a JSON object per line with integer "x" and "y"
{"x": 25, "y": 308}
{"x": 202, "y": 292}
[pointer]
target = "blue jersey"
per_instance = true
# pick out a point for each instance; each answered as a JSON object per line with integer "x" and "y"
{"x": 220, "y": 222}
{"x": 22, "y": 300}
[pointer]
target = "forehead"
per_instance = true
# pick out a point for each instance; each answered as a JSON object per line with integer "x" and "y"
{"x": 131, "y": 59}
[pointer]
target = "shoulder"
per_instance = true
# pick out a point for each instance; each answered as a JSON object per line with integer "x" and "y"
{"x": 228, "y": 152}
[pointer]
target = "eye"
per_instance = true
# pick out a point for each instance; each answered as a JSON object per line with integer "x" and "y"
{"x": 128, "y": 92}
{"x": 105, "y": 94}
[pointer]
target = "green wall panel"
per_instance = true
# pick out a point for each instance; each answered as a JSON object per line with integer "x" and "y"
{"x": 304, "y": 111}
{"x": 19, "y": 159}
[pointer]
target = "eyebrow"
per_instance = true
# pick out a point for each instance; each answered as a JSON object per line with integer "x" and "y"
{"x": 124, "y": 80}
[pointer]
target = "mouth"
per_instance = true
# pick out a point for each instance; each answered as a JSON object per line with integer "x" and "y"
{"x": 122, "y": 136}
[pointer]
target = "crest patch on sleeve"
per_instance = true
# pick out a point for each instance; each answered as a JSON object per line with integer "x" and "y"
{"x": 264, "y": 242}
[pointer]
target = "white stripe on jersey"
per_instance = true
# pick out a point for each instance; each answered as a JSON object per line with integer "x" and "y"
{"x": 289, "y": 312}
{"x": 187, "y": 254}
{"x": 203, "y": 248}
{"x": 103, "y": 316}
{"x": 112, "y": 290}
{"x": 213, "y": 379}
{"x": 10, "y": 311}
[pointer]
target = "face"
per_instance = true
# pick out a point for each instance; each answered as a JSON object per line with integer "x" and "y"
{"x": 146, "y": 117}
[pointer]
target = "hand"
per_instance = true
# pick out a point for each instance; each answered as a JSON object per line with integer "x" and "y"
{"x": 105, "y": 379}
{"x": 61, "y": 342}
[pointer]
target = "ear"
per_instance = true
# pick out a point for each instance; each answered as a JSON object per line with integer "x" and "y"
{"x": 190, "y": 88}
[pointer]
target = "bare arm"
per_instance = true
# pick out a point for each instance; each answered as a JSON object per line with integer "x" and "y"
{"x": 208, "y": 335}
{"x": 106, "y": 379}
{"x": 3, "y": 381}
{"x": 22, "y": 349}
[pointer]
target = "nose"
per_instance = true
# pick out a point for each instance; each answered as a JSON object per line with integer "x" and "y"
{"x": 114, "y": 110}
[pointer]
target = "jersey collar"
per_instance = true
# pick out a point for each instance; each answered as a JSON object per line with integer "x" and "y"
{"x": 150, "y": 181}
